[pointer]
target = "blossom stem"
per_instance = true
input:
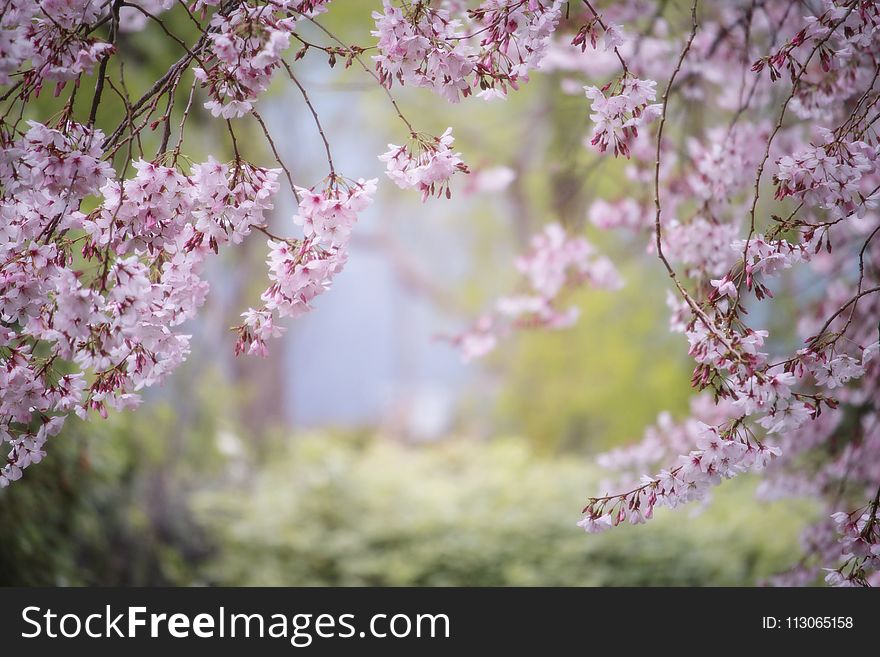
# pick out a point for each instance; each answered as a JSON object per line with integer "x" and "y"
{"x": 315, "y": 116}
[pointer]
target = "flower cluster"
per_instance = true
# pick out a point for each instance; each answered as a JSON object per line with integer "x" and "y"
{"x": 424, "y": 47}
{"x": 860, "y": 543}
{"x": 617, "y": 117}
{"x": 300, "y": 270}
{"x": 515, "y": 39}
{"x": 428, "y": 169}
{"x": 721, "y": 452}
{"x": 763, "y": 259}
{"x": 719, "y": 160}
{"x": 88, "y": 332}
{"x": 816, "y": 33}
{"x": 492, "y": 47}
{"x": 50, "y": 35}
{"x": 594, "y": 32}
{"x": 16, "y": 46}
{"x": 665, "y": 440}
{"x": 555, "y": 263}
{"x": 626, "y": 213}
{"x": 246, "y": 48}
{"x": 830, "y": 58}
{"x": 831, "y": 176}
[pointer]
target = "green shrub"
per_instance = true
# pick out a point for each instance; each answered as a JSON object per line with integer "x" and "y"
{"x": 335, "y": 511}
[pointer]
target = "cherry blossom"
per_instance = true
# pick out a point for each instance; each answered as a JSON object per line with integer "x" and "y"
{"x": 301, "y": 270}
{"x": 617, "y": 117}
{"x": 556, "y": 263}
{"x": 424, "y": 47}
{"x": 110, "y": 317}
{"x": 829, "y": 176}
{"x": 246, "y": 48}
{"x": 428, "y": 169}
{"x": 490, "y": 48}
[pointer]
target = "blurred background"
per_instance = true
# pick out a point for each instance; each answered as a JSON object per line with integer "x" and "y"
{"x": 362, "y": 451}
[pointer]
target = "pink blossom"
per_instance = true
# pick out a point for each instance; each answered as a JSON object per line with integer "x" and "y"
{"x": 617, "y": 118}
{"x": 555, "y": 263}
{"x": 427, "y": 165}
{"x": 246, "y": 48}
{"x": 301, "y": 270}
{"x": 429, "y": 47}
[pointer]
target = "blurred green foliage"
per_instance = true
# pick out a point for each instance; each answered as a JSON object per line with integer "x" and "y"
{"x": 600, "y": 383}
{"x": 143, "y": 500}
{"x": 336, "y": 510}
{"x": 108, "y": 504}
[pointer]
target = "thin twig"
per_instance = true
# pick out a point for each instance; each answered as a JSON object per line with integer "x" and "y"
{"x": 658, "y": 229}
{"x": 776, "y": 129}
{"x": 278, "y": 159}
{"x": 366, "y": 68}
{"x": 305, "y": 96}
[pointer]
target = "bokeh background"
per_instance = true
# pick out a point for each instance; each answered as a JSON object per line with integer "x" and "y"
{"x": 363, "y": 451}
